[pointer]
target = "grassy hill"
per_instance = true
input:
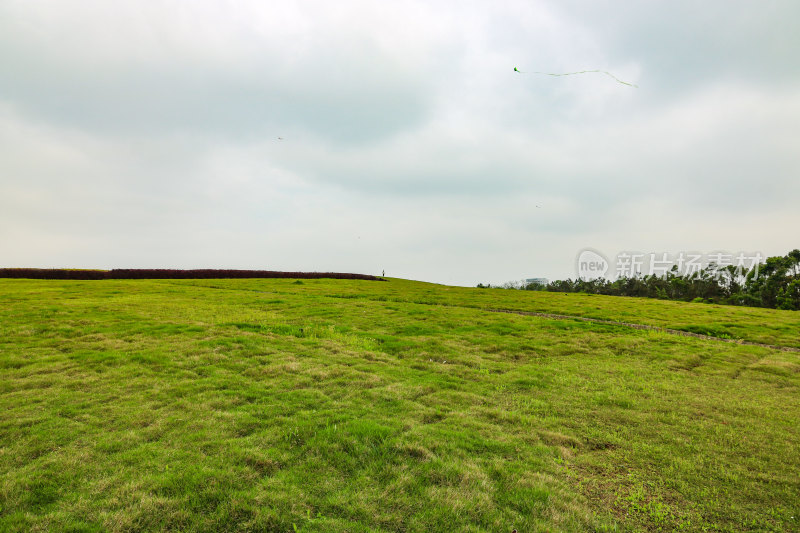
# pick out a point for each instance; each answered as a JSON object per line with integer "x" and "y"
{"x": 338, "y": 405}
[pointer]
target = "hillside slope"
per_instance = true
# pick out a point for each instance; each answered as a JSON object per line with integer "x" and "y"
{"x": 338, "y": 405}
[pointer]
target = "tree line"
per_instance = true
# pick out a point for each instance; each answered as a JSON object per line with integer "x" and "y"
{"x": 774, "y": 283}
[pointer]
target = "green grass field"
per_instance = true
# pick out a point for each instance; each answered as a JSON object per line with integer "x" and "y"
{"x": 329, "y": 405}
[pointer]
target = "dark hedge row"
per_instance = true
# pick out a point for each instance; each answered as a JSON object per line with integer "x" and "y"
{"x": 52, "y": 273}
{"x": 141, "y": 273}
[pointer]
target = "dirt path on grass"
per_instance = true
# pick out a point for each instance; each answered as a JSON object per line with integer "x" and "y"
{"x": 645, "y": 327}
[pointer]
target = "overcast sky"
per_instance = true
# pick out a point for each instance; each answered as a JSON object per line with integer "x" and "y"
{"x": 362, "y": 136}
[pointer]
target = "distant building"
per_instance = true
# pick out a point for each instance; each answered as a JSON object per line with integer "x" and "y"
{"x": 537, "y": 281}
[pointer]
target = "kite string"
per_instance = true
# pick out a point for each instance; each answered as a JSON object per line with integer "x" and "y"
{"x": 579, "y": 72}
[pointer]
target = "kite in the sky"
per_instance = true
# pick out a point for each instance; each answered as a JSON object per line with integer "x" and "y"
{"x": 581, "y": 72}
